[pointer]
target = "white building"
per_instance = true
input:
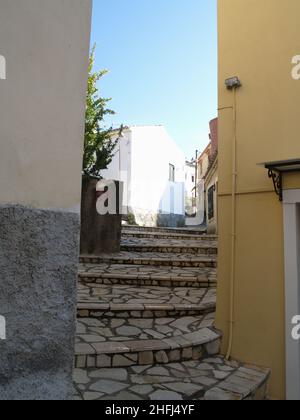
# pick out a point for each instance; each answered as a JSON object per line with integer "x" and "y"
{"x": 190, "y": 184}
{"x": 152, "y": 168}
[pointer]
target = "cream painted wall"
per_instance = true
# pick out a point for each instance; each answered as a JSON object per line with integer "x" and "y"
{"x": 42, "y": 101}
{"x": 257, "y": 40}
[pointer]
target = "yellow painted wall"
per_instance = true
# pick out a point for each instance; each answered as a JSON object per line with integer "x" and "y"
{"x": 257, "y": 40}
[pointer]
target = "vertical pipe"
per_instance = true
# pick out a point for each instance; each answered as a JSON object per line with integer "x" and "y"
{"x": 196, "y": 175}
{"x": 233, "y": 227}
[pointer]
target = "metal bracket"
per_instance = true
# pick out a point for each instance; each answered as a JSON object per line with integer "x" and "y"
{"x": 277, "y": 181}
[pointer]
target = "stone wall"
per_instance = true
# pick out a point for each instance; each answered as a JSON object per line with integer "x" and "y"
{"x": 38, "y": 269}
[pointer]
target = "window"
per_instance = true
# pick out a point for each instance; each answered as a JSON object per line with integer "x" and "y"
{"x": 193, "y": 179}
{"x": 210, "y": 199}
{"x": 171, "y": 173}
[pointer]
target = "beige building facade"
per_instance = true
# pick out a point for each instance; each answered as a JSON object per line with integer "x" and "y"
{"x": 258, "y": 274}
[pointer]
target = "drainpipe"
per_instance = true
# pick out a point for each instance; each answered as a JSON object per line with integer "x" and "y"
{"x": 196, "y": 175}
{"x": 233, "y": 84}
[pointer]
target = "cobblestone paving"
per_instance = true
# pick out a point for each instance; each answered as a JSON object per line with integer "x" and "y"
{"x": 209, "y": 379}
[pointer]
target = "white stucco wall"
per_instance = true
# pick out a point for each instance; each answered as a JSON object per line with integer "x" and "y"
{"x": 146, "y": 153}
{"x": 120, "y": 167}
{"x": 45, "y": 44}
{"x": 152, "y": 152}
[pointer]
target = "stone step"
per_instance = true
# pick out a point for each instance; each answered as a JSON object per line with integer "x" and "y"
{"x": 181, "y": 231}
{"x": 165, "y": 235}
{"x": 152, "y": 259}
{"x": 132, "y": 341}
{"x": 169, "y": 246}
{"x": 98, "y": 310}
{"x": 140, "y": 275}
{"x": 209, "y": 379}
{"x": 143, "y": 302}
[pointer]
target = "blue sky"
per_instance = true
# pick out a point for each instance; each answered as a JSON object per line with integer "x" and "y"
{"x": 162, "y": 62}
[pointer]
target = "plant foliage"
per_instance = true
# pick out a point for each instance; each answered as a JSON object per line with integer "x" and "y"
{"x": 99, "y": 146}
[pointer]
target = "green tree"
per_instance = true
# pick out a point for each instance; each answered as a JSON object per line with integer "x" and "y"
{"x": 98, "y": 144}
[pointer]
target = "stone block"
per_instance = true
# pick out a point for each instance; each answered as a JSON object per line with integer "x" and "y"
{"x": 146, "y": 358}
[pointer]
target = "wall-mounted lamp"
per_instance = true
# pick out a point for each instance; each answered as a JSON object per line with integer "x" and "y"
{"x": 232, "y": 83}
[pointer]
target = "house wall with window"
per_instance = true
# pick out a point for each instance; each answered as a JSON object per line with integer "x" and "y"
{"x": 152, "y": 167}
{"x": 207, "y": 179}
{"x": 190, "y": 183}
{"x": 203, "y": 162}
{"x": 211, "y": 197}
{"x": 257, "y": 40}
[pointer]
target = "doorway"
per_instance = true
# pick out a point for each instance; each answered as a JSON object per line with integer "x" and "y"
{"x": 291, "y": 201}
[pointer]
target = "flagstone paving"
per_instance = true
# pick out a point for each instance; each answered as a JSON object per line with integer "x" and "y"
{"x": 130, "y": 342}
{"x": 145, "y": 326}
{"x": 191, "y": 231}
{"x": 128, "y": 274}
{"x": 209, "y": 379}
{"x": 153, "y": 259}
{"x": 90, "y": 330}
{"x": 163, "y": 242}
{"x": 143, "y": 302}
{"x": 191, "y": 236}
{"x": 169, "y": 246}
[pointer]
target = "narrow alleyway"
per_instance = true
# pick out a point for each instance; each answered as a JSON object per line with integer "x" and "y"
{"x": 146, "y": 323}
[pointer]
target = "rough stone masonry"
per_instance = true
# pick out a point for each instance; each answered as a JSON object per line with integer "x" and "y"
{"x": 38, "y": 262}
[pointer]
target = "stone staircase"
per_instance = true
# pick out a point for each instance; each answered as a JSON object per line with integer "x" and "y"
{"x": 146, "y": 323}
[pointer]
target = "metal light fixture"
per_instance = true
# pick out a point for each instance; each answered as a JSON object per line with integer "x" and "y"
{"x": 232, "y": 83}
